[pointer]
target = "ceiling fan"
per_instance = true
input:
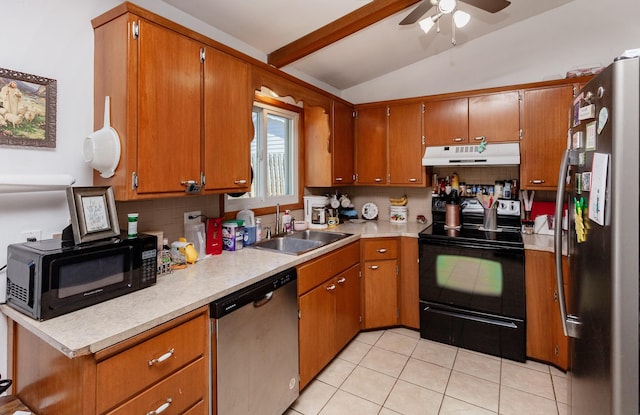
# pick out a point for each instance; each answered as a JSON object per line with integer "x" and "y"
{"x": 443, "y": 7}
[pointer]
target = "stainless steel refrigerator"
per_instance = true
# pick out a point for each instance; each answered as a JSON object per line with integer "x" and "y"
{"x": 600, "y": 313}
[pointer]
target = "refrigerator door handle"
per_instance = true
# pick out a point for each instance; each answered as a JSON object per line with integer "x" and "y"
{"x": 570, "y": 323}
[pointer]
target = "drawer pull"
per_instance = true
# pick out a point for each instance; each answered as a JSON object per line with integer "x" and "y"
{"x": 479, "y": 138}
{"x": 413, "y": 180}
{"x": 338, "y": 179}
{"x": 374, "y": 267}
{"x": 161, "y": 408}
{"x": 458, "y": 139}
{"x": 382, "y": 250}
{"x": 342, "y": 280}
{"x": 161, "y": 358}
{"x": 240, "y": 182}
{"x": 536, "y": 181}
{"x": 377, "y": 180}
{"x": 331, "y": 287}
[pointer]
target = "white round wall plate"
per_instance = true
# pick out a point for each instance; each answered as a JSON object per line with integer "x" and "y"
{"x": 370, "y": 211}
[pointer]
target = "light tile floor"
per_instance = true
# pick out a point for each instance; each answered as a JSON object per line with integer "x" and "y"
{"x": 394, "y": 371}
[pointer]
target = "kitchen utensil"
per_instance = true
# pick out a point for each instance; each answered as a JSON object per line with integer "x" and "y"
{"x": 452, "y": 216}
{"x": 101, "y": 149}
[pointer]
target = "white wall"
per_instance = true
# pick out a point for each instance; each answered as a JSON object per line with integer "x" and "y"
{"x": 580, "y": 34}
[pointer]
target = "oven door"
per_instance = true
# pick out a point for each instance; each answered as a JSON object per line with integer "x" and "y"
{"x": 484, "y": 278}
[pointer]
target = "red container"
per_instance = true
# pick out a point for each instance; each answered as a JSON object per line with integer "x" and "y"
{"x": 214, "y": 236}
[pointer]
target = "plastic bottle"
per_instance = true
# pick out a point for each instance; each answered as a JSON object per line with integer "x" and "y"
{"x": 286, "y": 221}
{"x": 258, "y": 229}
{"x": 132, "y": 222}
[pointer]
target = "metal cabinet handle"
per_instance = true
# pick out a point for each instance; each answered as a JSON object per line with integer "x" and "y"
{"x": 338, "y": 179}
{"x": 377, "y": 180}
{"x": 161, "y": 358}
{"x": 240, "y": 182}
{"x": 342, "y": 280}
{"x": 413, "y": 180}
{"x": 536, "y": 181}
{"x": 161, "y": 408}
{"x": 331, "y": 287}
{"x": 382, "y": 250}
{"x": 373, "y": 267}
{"x": 458, "y": 139}
{"x": 479, "y": 138}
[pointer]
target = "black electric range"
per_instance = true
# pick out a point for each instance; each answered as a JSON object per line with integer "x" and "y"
{"x": 508, "y": 232}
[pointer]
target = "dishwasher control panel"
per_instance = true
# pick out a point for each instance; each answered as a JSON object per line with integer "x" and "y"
{"x": 257, "y": 292}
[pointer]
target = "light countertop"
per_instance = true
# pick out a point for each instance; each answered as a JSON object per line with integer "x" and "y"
{"x": 97, "y": 327}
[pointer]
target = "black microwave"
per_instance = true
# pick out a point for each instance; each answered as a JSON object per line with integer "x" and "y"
{"x": 47, "y": 278}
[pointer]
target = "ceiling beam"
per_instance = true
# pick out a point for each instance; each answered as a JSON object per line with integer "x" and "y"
{"x": 348, "y": 24}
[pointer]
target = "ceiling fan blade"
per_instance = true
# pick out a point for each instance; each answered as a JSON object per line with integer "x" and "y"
{"x": 492, "y": 6}
{"x": 417, "y": 13}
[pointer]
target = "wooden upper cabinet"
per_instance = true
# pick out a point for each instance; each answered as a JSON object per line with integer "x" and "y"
{"x": 544, "y": 135}
{"x": 495, "y": 117}
{"x": 405, "y": 145}
{"x": 153, "y": 78}
{"x": 342, "y": 141}
{"x": 318, "y": 147}
{"x": 228, "y": 130}
{"x": 371, "y": 145}
{"x": 329, "y": 145}
{"x": 168, "y": 109}
{"x": 446, "y": 122}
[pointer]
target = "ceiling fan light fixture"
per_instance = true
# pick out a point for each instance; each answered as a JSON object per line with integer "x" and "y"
{"x": 447, "y": 6}
{"x": 461, "y": 18}
{"x": 426, "y": 24}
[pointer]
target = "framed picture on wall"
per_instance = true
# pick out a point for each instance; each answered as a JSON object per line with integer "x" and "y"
{"x": 27, "y": 110}
{"x": 93, "y": 213}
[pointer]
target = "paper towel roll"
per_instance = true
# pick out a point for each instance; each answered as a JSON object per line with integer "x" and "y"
{"x": 17, "y": 183}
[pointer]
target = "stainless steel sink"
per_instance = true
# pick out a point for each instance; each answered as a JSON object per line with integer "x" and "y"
{"x": 324, "y": 237}
{"x": 299, "y": 242}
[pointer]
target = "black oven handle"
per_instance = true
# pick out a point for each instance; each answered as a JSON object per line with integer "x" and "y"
{"x": 506, "y": 324}
{"x": 461, "y": 244}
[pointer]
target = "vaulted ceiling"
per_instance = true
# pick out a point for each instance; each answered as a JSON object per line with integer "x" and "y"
{"x": 343, "y": 43}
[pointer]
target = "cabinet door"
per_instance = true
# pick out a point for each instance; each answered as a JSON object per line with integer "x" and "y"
{"x": 545, "y": 339}
{"x": 446, "y": 122}
{"x": 318, "y": 147}
{"x": 405, "y": 145}
{"x": 409, "y": 291}
{"x": 316, "y": 330}
{"x": 544, "y": 139}
{"x": 342, "y": 141}
{"x": 228, "y": 128}
{"x": 380, "y": 293}
{"x": 169, "y": 85}
{"x": 347, "y": 306}
{"x": 494, "y": 116}
{"x": 371, "y": 146}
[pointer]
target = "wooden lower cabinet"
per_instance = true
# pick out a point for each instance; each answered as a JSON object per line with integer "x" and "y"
{"x": 329, "y": 304}
{"x": 165, "y": 367}
{"x": 545, "y": 339}
{"x": 380, "y": 282}
{"x": 409, "y": 296}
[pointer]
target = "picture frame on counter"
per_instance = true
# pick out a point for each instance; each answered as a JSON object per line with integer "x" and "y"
{"x": 27, "y": 110}
{"x": 93, "y": 213}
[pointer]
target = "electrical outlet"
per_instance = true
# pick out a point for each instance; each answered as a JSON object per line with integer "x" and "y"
{"x": 195, "y": 214}
{"x": 29, "y": 236}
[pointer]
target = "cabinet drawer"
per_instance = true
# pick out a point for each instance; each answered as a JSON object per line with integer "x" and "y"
{"x": 129, "y": 372}
{"x": 380, "y": 248}
{"x": 180, "y": 392}
{"x": 314, "y": 272}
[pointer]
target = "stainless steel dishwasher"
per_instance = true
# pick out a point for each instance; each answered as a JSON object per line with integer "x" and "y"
{"x": 255, "y": 346}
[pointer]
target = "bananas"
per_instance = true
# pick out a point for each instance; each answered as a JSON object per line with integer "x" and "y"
{"x": 400, "y": 201}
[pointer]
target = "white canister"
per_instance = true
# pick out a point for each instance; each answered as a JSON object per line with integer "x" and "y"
{"x": 398, "y": 214}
